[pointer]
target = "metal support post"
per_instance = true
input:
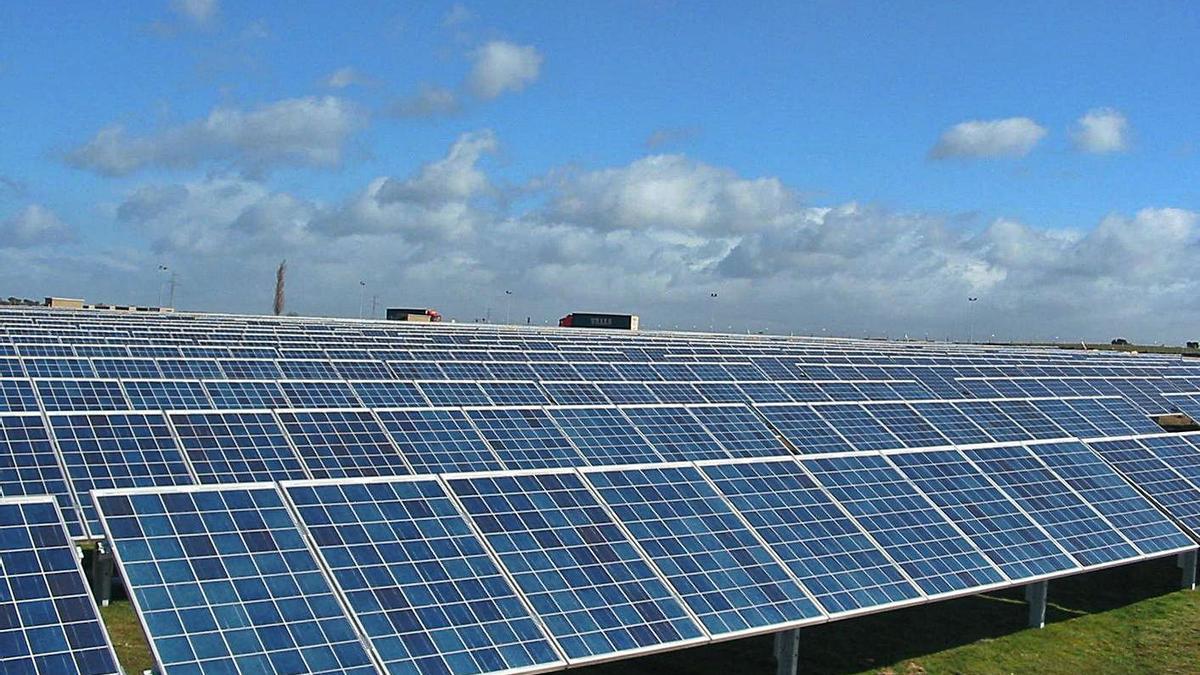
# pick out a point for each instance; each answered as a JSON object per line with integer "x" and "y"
{"x": 1035, "y": 595}
{"x": 102, "y": 573}
{"x": 1187, "y": 563}
{"x": 787, "y": 651}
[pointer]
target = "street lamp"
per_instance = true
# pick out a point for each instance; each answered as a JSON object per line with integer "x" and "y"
{"x": 508, "y": 307}
{"x": 161, "y": 283}
{"x": 971, "y": 319}
{"x": 712, "y": 313}
{"x": 362, "y": 297}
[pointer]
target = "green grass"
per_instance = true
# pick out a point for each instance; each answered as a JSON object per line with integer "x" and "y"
{"x": 1123, "y": 620}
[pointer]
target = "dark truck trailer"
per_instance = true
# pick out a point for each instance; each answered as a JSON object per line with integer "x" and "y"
{"x": 412, "y": 314}
{"x": 595, "y": 320}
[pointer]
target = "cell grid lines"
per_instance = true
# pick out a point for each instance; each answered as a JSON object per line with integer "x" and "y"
{"x": 342, "y": 443}
{"x": 427, "y": 594}
{"x": 81, "y": 395}
{"x": 224, "y": 582}
{"x": 438, "y": 440}
{"x": 49, "y": 623}
{"x": 319, "y": 394}
{"x": 227, "y": 394}
{"x": 1147, "y": 464}
{"x": 29, "y": 466}
{"x": 236, "y": 447}
{"x": 804, "y": 429}
{"x": 588, "y": 583}
{"x": 675, "y": 433}
{"x": 388, "y": 394}
{"x": 826, "y": 550}
{"x": 929, "y": 549}
{"x": 604, "y": 436}
{"x": 525, "y": 438}
{"x": 166, "y": 395}
{"x": 739, "y": 430}
{"x": 116, "y": 450}
{"x": 17, "y": 396}
{"x": 727, "y": 577}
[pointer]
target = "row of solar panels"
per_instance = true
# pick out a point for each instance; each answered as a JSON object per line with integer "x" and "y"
{"x": 70, "y": 454}
{"x": 536, "y": 570}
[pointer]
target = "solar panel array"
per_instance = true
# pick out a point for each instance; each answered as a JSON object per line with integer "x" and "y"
{"x": 469, "y": 499}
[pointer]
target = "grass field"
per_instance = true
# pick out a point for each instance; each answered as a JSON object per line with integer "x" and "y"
{"x": 1124, "y": 620}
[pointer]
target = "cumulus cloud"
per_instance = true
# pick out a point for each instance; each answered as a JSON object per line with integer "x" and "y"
{"x": 659, "y": 234}
{"x": 35, "y": 225}
{"x": 298, "y": 132}
{"x": 429, "y": 101}
{"x": 1010, "y": 137}
{"x": 1101, "y": 131}
{"x": 500, "y": 67}
{"x": 197, "y": 11}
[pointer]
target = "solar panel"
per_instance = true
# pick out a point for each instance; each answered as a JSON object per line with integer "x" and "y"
{"x": 627, "y": 392}
{"x": 1076, "y": 526}
{"x": 992, "y": 420}
{"x": 675, "y": 433}
{"x": 319, "y": 394}
{"x": 222, "y": 581}
{"x": 1102, "y": 488}
{"x": 604, "y": 436}
{"x": 1064, "y": 416}
{"x": 985, "y": 514}
{"x": 1099, "y": 416}
{"x": 59, "y": 367}
{"x": 919, "y": 538}
{"x": 416, "y": 370}
{"x": 17, "y": 396}
{"x": 81, "y": 395}
{"x": 804, "y": 429}
{"x": 575, "y": 393}
{"x": 442, "y": 393}
{"x": 741, "y": 432}
{"x": 165, "y": 395}
{"x": 342, "y": 443}
{"x": 388, "y": 394}
{"x": 106, "y": 450}
{"x": 50, "y": 622}
{"x": 438, "y": 440}
{"x": 593, "y": 591}
{"x": 190, "y": 369}
{"x": 250, "y": 369}
{"x": 362, "y": 370}
{"x": 907, "y": 425}
{"x": 1154, "y": 475}
{"x": 764, "y": 392}
{"x": 11, "y": 368}
{"x": 428, "y": 596}
{"x": 227, "y": 394}
{"x": 1032, "y": 420}
{"x": 236, "y": 447}
{"x": 1179, "y": 452}
{"x": 126, "y": 368}
{"x": 721, "y": 392}
{"x": 821, "y": 545}
{"x": 308, "y": 370}
{"x": 724, "y": 574}
{"x": 29, "y": 466}
{"x": 675, "y": 392}
{"x": 1137, "y": 420}
{"x": 951, "y": 423}
{"x": 525, "y": 438}
{"x": 514, "y": 393}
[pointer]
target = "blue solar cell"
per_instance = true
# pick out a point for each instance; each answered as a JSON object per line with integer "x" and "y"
{"x": 226, "y": 394}
{"x": 721, "y": 392}
{"x": 919, "y": 538}
{"x": 1099, "y": 416}
{"x": 416, "y": 370}
{"x": 362, "y": 370}
{"x": 388, "y": 394}
{"x": 525, "y": 438}
{"x": 604, "y": 436}
{"x": 514, "y": 393}
{"x": 856, "y": 424}
{"x": 1033, "y": 421}
{"x": 439, "y": 440}
{"x": 59, "y": 367}
{"x": 250, "y": 369}
{"x": 993, "y": 421}
{"x": 236, "y": 447}
{"x": 1137, "y": 420}
{"x": 635, "y": 372}
{"x": 597, "y": 372}
{"x": 190, "y": 369}
{"x": 103, "y": 450}
{"x": 723, "y": 573}
{"x": 1065, "y": 417}
{"x": 985, "y": 514}
{"x": 627, "y": 392}
{"x": 126, "y": 368}
{"x": 51, "y": 624}
{"x": 422, "y": 586}
{"x": 842, "y": 391}
{"x": 166, "y": 395}
{"x": 804, "y": 429}
{"x": 741, "y": 432}
{"x": 555, "y": 371}
{"x": 342, "y": 444}
{"x": 575, "y": 393}
{"x": 332, "y": 394}
{"x": 29, "y": 466}
{"x": 308, "y": 370}
{"x": 907, "y": 425}
{"x": 11, "y": 367}
{"x": 823, "y": 547}
{"x": 764, "y": 392}
{"x": 1074, "y": 524}
{"x": 223, "y": 582}
{"x": 585, "y": 580}
{"x": 1156, "y": 471}
{"x": 803, "y": 392}
{"x": 676, "y": 392}
{"x": 17, "y": 396}
{"x": 453, "y": 393}
{"x": 81, "y": 395}
{"x": 1112, "y": 496}
{"x": 675, "y": 433}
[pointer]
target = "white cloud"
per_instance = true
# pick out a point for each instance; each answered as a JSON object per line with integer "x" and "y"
{"x": 500, "y": 67}
{"x": 429, "y": 101}
{"x": 298, "y": 132}
{"x": 1101, "y": 131}
{"x": 1011, "y": 137}
{"x": 345, "y": 77}
{"x": 35, "y": 225}
{"x": 458, "y": 15}
{"x": 197, "y": 11}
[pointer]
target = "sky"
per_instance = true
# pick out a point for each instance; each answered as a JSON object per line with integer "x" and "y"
{"x": 828, "y": 168}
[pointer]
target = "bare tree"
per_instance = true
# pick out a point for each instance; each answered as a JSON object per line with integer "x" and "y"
{"x": 279, "y": 276}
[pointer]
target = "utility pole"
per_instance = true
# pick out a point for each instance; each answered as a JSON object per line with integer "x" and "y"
{"x": 971, "y": 319}
{"x": 712, "y": 313}
{"x": 161, "y": 268}
{"x": 507, "y": 307}
{"x": 362, "y": 297}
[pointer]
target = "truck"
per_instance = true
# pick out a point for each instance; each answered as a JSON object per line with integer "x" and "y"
{"x": 599, "y": 320}
{"x": 413, "y": 314}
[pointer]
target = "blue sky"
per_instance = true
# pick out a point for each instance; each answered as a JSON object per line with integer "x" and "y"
{"x": 704, "y": 145}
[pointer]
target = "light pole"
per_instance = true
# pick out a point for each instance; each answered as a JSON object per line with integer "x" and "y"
{"x": 507, "y": 307}
{"x": 362, "y": 297}
{"x": 712, "y": 313}
{"x": 161, "y": 283}
{"x": 971, "y": 319}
